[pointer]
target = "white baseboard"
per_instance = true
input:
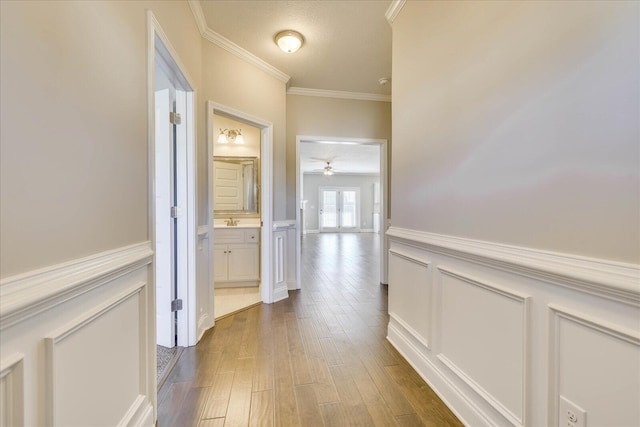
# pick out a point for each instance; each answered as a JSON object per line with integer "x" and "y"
{"x": 311, "y": 231}
{"x": 280, "y": 293}
{"x": 366, "y": 230}
{"x": 460, "y": 405}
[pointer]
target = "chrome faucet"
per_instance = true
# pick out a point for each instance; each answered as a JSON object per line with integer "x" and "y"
{"x": 232, "y": 222}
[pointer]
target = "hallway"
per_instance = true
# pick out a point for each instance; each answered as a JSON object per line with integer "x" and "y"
{"x": 317, "y": 358}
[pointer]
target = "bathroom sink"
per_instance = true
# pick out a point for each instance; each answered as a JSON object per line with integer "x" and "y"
{"x": 241, "y": 223}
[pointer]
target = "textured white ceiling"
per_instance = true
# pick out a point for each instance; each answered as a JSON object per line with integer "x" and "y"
{"x": 344, "y": 158}
{"x": 347, "y": 43}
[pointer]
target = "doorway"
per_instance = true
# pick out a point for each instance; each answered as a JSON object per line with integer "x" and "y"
{"x": 263, "y": 223}
{"x": 171, "y": 201}
{"x": 324, "y": 169}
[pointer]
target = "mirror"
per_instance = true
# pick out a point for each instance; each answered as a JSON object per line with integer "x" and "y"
{"x": 235, "y": 186}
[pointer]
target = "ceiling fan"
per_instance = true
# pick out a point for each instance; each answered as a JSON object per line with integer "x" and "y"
{"x": 327, "y": 169}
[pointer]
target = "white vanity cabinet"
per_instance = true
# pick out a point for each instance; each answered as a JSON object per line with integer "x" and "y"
{"x": 236, "y": 257}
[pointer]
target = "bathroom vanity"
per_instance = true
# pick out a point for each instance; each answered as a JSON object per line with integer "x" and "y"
{"x": 236, "y": 255}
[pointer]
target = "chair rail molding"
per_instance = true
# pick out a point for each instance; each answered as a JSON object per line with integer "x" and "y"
{"x": 608, "y": 279}
{"x": 25, "y": 295}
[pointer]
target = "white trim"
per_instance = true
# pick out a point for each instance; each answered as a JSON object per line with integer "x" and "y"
{"x": 198, "y": 15}
{"x": 323, "y": 93}
{"x": 203, "y": 232}
{"x": 139, "y": 414}
{"x": 266, "y": 193}
{"x": 231, "y": 47}
{"x": 366, "y": 230}
{"x": 556, "y": 314}
{"x": 187, "y": 231}
{"x": 411, "y": 258}
{"x": 395, "y": 319}
{"x": 460, "y": 404}
{"x": 63, "y": 332}
{"x": 26, "y": 295}
{"x": 523, "y": 299}
{"x": 384, "y": 184}
{"x": 284, "y": 224}
{"x": 394, "y": 9}
{"x": 608, "y": 279}
{"x": 311, "y": 231}
{"x": 12, "y": 383}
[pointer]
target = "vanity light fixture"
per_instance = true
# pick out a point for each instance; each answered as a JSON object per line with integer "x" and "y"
{"x": 289, "y": 41}
{"x": 230, "y": 135}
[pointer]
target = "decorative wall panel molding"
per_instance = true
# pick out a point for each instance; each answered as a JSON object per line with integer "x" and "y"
{"x": 279, "y": 266}
{"x": 82, "y": 334}
{"x": 12, "y": 391}
{"x": 407, "y": 308}
{"x": 28, "y": 294}
{"x": 581, "y": 341}
{"x": 490, "y": 355}
{"x": 616, "y": 281}
{"x": 490, "y": 336}
{"x": 68, "y": 348}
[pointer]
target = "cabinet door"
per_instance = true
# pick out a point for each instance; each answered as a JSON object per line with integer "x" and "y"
{"x": 220, "y": 264}
{"x": 244, "y": 263}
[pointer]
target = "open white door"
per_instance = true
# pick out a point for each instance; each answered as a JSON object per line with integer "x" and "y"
{"x": 165, "y": 324}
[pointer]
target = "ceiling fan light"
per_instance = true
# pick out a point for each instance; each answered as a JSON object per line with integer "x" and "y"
{"x": 289, "y": 41}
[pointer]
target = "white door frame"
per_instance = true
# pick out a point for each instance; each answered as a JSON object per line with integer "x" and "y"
{"x": 384, "y": 255}
{"x": 158, "y": 42}
{"x": 266, "y": 197}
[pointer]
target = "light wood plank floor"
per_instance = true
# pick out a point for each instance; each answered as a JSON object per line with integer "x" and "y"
{"x": 319, "y": 358}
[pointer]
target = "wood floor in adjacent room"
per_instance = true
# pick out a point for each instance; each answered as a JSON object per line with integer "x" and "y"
{"x": 319, "y": 358}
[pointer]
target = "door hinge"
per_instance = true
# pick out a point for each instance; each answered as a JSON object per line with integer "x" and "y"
{"x": 175, "y": 212}
{"x": 174, "y": 118}
{"x": 176, "y": 305}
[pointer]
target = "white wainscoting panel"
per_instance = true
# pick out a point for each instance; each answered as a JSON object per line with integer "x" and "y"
{"x": 99, "y": 337}
{"x": 410, "y": 297}
{"x": 85, "y": 340}
{"x": 280, "y": 291}
{"x": 501, "y": 332}
{"x": 585, "y": 351}
{"x": 483, "y": 335}
{"x": 12, "y": 391}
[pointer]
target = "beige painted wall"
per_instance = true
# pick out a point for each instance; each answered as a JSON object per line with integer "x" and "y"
{"x": 517, "y": 122}
{"x": 232, "y": 82}
{"x": 331, "y": 117}
{"x": 74, "y": 147}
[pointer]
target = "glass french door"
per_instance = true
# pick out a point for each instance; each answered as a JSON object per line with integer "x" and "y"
{"x": 339, "y": 209}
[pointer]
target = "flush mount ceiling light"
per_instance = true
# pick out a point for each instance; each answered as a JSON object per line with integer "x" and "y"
{"x": 230, "y": 135}
{"x": 289, "y": 41}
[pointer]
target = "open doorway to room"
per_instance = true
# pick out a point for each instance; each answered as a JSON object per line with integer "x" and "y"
{"x": 240, "y": 206}
{"x": 172, "y": 201}
{"x": 342, "y": 189}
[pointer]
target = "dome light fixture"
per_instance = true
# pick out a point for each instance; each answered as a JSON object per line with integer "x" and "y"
{"x": 289, "y": 41}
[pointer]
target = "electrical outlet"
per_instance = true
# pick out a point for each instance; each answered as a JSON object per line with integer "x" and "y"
{"x": 570, "y": 414}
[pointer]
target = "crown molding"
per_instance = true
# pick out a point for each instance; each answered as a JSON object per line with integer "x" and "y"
{"x": 198, "y": 15}
{"x": 360, "y": 96}
{"x": 231, "y": 47}
{"x": 394, "y": 9}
